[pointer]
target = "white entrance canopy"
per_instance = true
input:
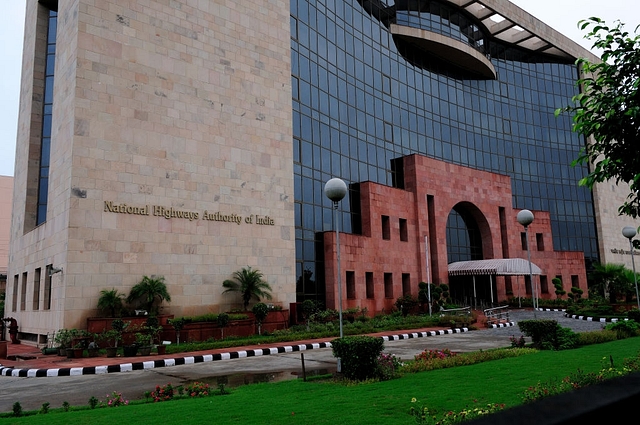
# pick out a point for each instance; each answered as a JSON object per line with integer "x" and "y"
{"x": 497, "y": 266}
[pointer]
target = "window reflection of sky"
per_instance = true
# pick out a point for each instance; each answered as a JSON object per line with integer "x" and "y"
{"x": 358, "y": 104}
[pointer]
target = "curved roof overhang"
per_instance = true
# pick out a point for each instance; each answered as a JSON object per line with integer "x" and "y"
{"x": 511, "y": 24}
{"x": 456, "y": 52}
{"x": 497, "y": 266}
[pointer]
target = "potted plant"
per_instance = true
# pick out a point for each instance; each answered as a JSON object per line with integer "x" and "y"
{"x": 155, "y": 330}
{"x": 130, "y": 350}
{"x": 110, "y": 301}
{"x": 148, "y": 291}
{"x": 161, "y": 348}
{"x": 260, "y": 311}
{"x": 93, "y": 346}
{"x": 223, "y": 321}
{"x": 109, "y": 340}
{"x": 250, "y": 284}
{"x": 63, "y": 339}
{"x": 78, "y": 350}
{"x": 177, "y": 324}
{"x": 118, "y": 326}
{"x": 144, "y": 339}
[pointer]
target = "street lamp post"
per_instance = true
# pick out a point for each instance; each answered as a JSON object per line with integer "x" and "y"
{"x": 629, "y": 232}
{"x": 525, "y": 218}
{"x": 336, "y": 189}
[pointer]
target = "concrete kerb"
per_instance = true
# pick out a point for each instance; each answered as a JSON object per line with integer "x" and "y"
{"x": 153, "y": 364}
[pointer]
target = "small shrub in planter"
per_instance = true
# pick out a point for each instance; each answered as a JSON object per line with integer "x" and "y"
{"x": 223, "y": 321}
{"x": 260, "y": 311}
{"x": 359, "y": 355}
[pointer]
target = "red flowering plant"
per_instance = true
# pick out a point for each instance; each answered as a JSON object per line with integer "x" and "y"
{"x": 388, "y": 366}
{"x": 197, "y": 389}
{"x": 115, "y": 399}
{"x": 164, "y": 393}
{"x": 435, "y": 355}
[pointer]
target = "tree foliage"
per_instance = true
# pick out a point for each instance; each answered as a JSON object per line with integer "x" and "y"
{"x": 250, "y": 284}
{"x": 608, "y": 109}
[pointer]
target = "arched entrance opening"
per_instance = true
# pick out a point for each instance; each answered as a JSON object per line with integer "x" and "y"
{"x": 468, "y": 237}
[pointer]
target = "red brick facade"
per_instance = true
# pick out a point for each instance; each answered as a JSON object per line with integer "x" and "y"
{"x": 389, "y": 259}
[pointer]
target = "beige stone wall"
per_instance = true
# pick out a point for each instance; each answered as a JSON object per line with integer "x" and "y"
{"x": 613, "y": 247}
{"x": 177, "y": 105}
{"x": 30, "y": 247}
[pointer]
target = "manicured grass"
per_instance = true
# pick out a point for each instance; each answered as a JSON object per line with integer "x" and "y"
{"x": 297, "y": 402}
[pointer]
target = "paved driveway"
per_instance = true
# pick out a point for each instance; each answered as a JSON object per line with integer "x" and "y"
{"x": 32, "y": 392}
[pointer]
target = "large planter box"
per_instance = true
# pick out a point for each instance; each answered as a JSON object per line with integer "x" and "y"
{"x": 202, "y": 331}
{"x": 100, "y": 324}
{"x": 276, "y": 320}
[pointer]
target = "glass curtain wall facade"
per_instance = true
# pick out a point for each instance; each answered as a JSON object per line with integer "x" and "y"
{"x": 358, "y": 103}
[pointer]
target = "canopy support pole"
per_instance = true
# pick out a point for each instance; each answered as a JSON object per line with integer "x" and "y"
{"x": 491, "y": 287}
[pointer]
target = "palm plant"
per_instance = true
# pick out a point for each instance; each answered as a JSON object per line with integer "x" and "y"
{"x": 250, "y": 284}
{"x": 110, "y": 301}
{"x": 148, "y": 291}
{"x": 630, "y": 277}
{"x": 609, "y": 279}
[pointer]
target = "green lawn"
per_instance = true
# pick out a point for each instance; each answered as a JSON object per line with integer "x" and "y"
{"x": 297, "y": 402}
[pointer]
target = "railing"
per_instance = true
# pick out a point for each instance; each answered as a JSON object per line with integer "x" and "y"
{"x": 497, "y": 314}
{"x": 458, "y": 317}
{"x": 462, "y": 311}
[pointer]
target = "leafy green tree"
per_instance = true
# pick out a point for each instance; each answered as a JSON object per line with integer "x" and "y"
{"x": 148, "y": 291}
{"x": 609, "y": 279}
{"x": 608, "y": 109}
{"x": 110, "y": 301}
{"x": 250, "y": 284}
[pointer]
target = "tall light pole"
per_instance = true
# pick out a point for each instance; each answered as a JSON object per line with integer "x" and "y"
{"x": 336, "y": 189}
{"x": 525, "y": 218}
{"x": 629, "y": 232}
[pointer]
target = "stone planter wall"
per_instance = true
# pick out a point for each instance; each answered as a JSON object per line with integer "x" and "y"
{"x": 276, "y": 320}
{"x": 201, "y": 331}
{"x": 100, "y": 324}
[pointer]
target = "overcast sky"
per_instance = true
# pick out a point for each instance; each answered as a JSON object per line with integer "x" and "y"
{"x": 562, "y": 15}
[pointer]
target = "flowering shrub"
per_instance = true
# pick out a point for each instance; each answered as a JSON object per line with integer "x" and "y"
{"x": 388, "y": 366}
{"x": 197, "y": 389}
{"x": 465, "y": 359}
{"x": 580, "y": 379}
{"x": 164, "y": 393}
{"x": 434, "y": 355}
{"x": 114, "y": 399}
{"x": 424, "y": 415}
{"x": 517, "y": 342}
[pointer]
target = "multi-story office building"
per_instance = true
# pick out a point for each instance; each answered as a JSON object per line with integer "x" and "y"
{"x": 191, "y": 139}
